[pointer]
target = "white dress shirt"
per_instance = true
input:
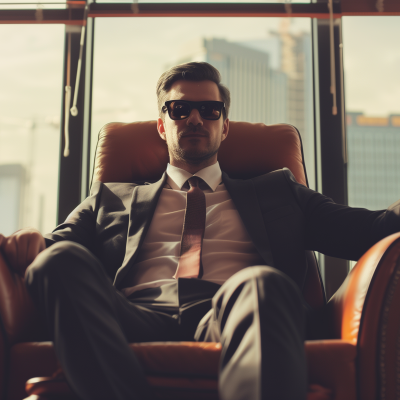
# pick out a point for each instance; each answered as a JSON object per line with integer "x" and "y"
{"x": 227, "y": 247}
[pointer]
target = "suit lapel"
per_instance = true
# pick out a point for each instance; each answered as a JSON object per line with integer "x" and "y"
{"x": 244, "y": 197}
{"x": 143, "y": 204}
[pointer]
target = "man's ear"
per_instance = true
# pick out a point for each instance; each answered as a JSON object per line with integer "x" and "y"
{"x": 225, "y": 129}
{"x": 161, "y": 129}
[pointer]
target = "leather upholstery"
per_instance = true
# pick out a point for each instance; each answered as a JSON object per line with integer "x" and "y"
{"x": 331, "y": 363}
{"x": 16, "y": 308}
{"x": 26, "y": 361}
{"x": 365, "y": 311}
{"x": 170, "y": 365}
{"x": 177, "y": 358}
{"x": 134, "y": 152}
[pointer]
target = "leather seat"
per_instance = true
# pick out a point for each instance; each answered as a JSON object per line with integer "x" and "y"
{"x": 359, "y": 359}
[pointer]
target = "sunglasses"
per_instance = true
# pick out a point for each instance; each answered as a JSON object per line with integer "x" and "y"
{"x": 181, "y": 109}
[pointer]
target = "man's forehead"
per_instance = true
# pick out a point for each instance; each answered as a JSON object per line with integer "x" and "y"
{"x": 194, "y": 90}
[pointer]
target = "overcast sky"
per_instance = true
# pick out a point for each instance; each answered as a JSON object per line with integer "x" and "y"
{"x": 371, "y": 47}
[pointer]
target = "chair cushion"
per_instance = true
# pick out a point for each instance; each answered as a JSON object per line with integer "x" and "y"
{"x": 191, "y": 368}
{"x": 135, "y": 152}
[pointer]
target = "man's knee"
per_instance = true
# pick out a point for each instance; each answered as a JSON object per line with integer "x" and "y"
{"x": 60, "y": 261}
{"x": 260, "y": 285}
{"x": 265, "y": 277}
{"x": 260, "y": 289}
{"x": 273, "y": 278}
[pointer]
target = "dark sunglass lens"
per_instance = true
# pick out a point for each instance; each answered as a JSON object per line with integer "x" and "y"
{"x": 210, "y": 110}
{"x": 179, "y": 110}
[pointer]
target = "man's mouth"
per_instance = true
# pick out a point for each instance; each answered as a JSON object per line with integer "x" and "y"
{"x": 194, "y": 133}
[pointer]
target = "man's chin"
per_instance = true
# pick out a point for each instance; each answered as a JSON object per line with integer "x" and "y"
{"x": 196, "y": 158}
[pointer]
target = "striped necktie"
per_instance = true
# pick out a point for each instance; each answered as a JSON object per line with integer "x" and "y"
{"x": 189, "y": 265}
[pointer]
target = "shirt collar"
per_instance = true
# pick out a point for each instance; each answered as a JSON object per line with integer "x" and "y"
{"x": 177, "y": 177}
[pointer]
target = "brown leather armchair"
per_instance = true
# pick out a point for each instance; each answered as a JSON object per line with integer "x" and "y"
{"x": 361, "y": 358}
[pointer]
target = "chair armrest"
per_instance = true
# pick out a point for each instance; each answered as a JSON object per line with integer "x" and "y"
{"x": 17, "y": 312}
{"x": 366, "y": 311}
{"x": 331, "y": 363}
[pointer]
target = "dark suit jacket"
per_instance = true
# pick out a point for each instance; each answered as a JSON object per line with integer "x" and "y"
{"x": 282, "y": 217}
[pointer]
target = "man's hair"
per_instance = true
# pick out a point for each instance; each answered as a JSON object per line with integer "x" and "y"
{"x": 192, "y": 71}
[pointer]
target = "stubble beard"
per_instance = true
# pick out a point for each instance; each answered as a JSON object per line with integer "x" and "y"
{"x": 193, "y": 156}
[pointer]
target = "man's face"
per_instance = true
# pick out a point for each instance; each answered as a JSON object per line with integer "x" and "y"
{"x": 193, "y": 140}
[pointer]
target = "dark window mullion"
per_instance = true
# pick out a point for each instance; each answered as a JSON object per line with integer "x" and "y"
{"x": 69, "y": 186}
{"x": 333, "y": 167}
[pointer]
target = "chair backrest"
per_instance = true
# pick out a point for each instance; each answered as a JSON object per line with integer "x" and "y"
{"x": 134, "y": 152}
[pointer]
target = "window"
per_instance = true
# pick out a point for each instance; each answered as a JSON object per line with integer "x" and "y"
{"x": 30, "y": 103}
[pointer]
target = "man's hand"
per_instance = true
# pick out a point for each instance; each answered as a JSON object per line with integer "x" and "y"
{"x": 21, "y": 248}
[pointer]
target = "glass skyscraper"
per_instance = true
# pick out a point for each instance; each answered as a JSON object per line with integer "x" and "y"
{"x": 373, "y": 145}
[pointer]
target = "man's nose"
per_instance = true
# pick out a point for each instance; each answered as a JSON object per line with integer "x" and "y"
{"x": 194, "y": 118}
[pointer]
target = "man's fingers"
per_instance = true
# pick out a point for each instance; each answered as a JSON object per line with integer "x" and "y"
{"x": 21, "y": 244}
{"x": 10, "y": 251}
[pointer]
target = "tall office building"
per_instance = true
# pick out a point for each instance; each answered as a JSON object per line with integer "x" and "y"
{"x": 373, "y": 161}
{"x": 291, "y": 54}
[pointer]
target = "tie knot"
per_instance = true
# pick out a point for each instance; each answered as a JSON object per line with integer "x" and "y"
{"x": 194, "y": 181}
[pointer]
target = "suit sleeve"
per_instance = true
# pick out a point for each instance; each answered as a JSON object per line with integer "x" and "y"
{"x": 341, "y": 231}
{"x": 80, "y": 225}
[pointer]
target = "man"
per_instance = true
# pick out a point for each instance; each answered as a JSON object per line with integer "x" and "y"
{"x": 210, "y": 280}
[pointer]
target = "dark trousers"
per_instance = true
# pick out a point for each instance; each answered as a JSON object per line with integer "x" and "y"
{"x": 257, "y": 315}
